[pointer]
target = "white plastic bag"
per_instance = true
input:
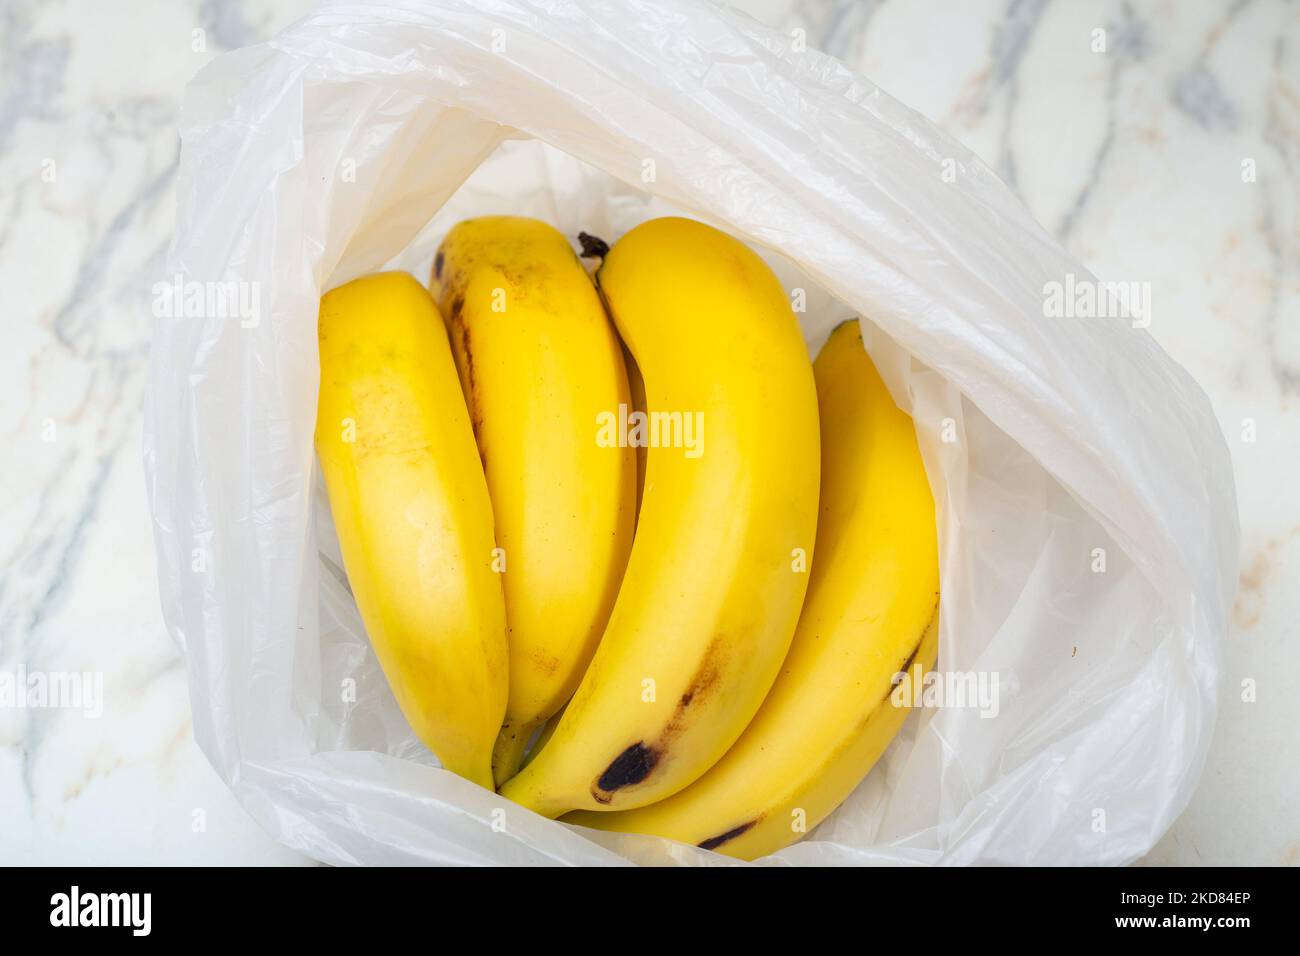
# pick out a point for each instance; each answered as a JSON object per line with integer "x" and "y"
{"x": 342, "y": 146}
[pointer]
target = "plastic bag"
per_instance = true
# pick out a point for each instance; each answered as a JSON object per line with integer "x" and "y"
{"x": 351, "y": 142}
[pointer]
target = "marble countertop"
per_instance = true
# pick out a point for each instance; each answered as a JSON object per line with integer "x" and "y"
{"x": 1132, "y": 156}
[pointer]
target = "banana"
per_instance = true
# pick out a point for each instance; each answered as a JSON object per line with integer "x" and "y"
{"x": 539, "y": 363}
{"x": 712, "y": 590}
{"x": 412, "y": 512}
{"x": 871, "y": 612}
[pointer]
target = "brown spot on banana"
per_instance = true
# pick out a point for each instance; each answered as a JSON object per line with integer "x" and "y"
{"x": 461, "y": 341}
{"x": 712, "y": 843}
{"x": 544, "y": 663}
{"x": 706, "y": 678}
{"x": 628, "y": 769}
{"x": 911, "y": 658}
{"x": 635, "y": 764}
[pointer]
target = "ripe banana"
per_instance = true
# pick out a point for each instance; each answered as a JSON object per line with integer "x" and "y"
{"x": 713, "y": 586}
{"x": 871, "y": 612}
{"x": 539, "y": 363}
{"x": 412, "y": 512}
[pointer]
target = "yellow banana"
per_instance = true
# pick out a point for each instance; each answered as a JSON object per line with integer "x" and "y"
{"x": 712, "y": 589}
{"x": 412, "y": 512}
{"x": 539, "y": 363}
{"x": 871, "y": 613}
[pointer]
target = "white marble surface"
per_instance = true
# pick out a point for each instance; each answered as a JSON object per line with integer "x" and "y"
{"x": 1132, "y": 156}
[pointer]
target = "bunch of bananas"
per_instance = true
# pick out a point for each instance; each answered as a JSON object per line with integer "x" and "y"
{"x": 579, "y": 520}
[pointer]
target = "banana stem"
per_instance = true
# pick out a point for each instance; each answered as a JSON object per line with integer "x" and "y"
{"x": 508, "y": 753}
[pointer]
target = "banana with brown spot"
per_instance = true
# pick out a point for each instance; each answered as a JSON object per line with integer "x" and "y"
{"x": 711, "y": 595}
{"x": 871, "y": 613}
{"x": 540, "y": 365}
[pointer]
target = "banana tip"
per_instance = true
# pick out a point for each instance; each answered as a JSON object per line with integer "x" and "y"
{"x": 593, "y": 247}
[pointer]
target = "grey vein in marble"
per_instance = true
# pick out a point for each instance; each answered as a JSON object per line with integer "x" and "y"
{"x": 1198, "y": 94}
{"x": 1126, "y": 43}
{"x": 31, "y": 75}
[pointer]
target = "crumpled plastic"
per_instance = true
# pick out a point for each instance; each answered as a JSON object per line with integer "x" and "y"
{"x": 351, "y": 141}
